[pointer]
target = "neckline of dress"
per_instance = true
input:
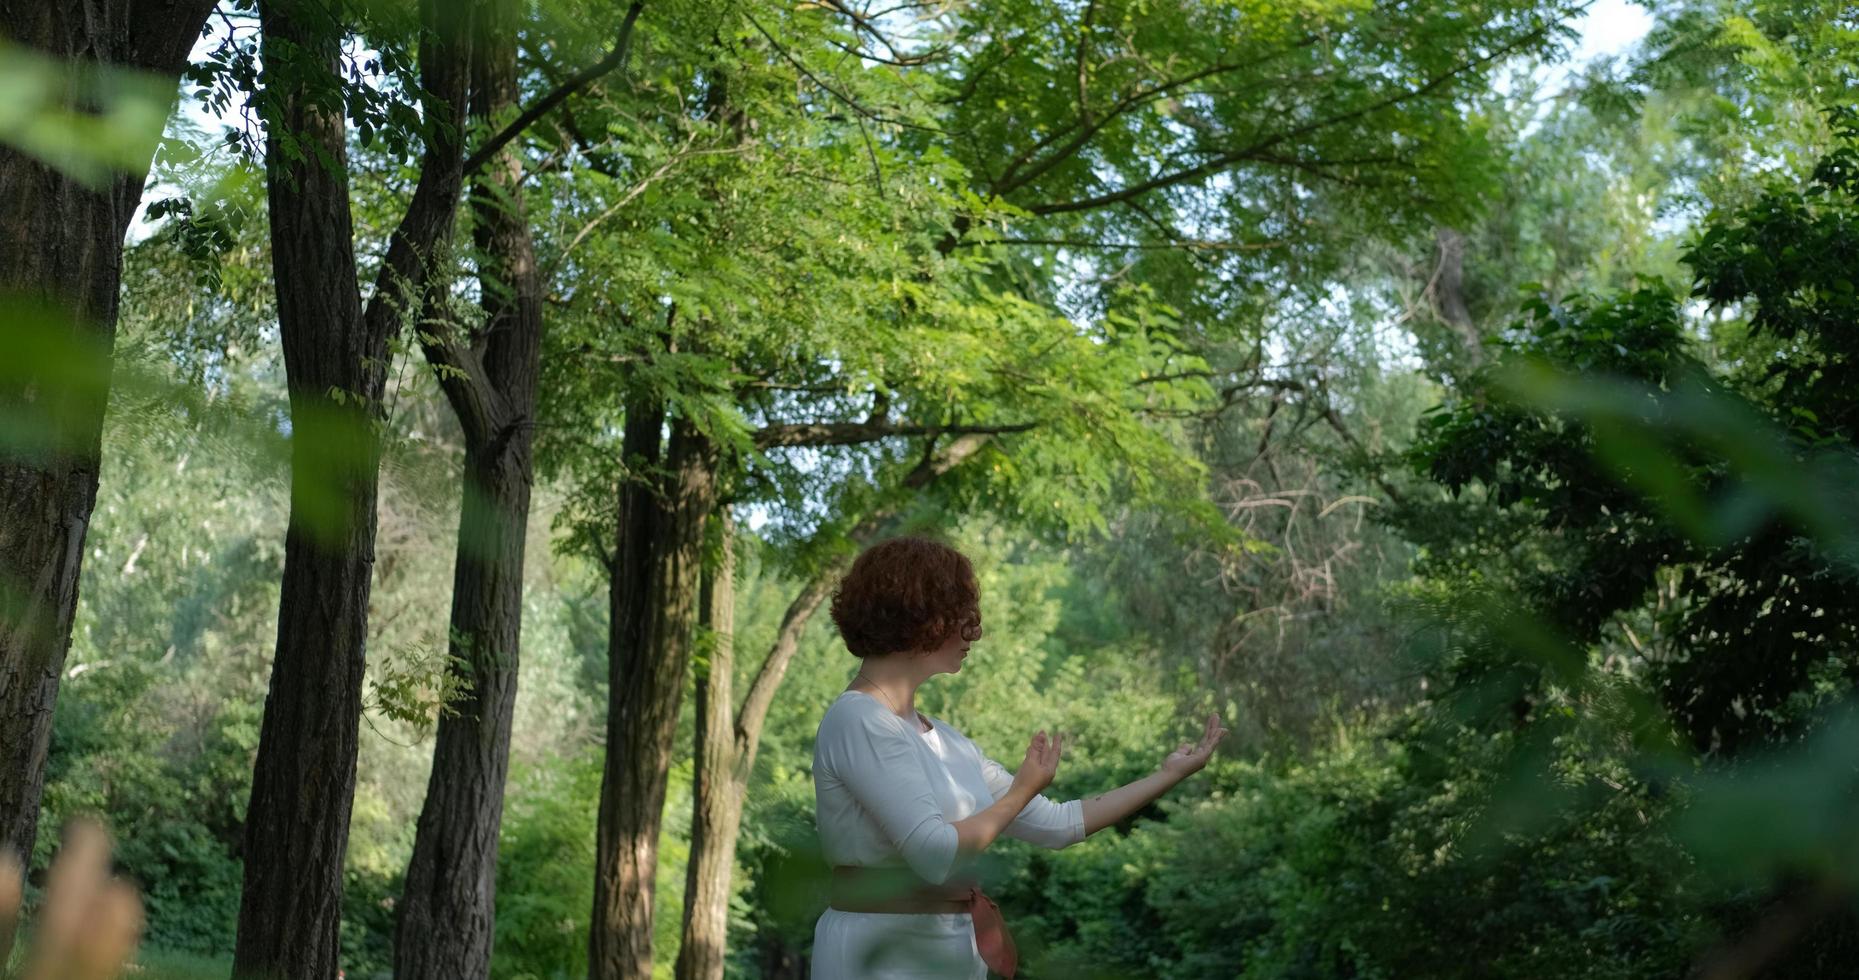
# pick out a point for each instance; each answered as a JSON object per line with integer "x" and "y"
{"x": 931, "y": 730}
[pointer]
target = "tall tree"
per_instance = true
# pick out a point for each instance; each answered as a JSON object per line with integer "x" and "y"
{"x": 61, "y": 251}
{"x": 335, "y": 359}
{"x": 656, "y": 572}
{"x": 489, "y": 375}
{"x": 665, "y": 508}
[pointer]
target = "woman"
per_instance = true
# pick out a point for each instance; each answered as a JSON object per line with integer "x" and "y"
{"x": 905, "y": 802}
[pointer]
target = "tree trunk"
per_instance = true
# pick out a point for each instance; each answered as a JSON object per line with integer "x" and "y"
{"x": 61, "y": 258}
{"x": 1449, "y": 294}
{"x": 448, "y": 908}
{"x": 728, "y": 739}
{"x": 335, "y": 354}
{"x": 655, "y": 579}
{"x": 303, "y": 782}
{"x": 716, "y": 810}
{"x": 725, "y": 760}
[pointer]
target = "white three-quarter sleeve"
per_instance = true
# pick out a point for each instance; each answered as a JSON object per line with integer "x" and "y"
{"x": 870, "y": 751}
{"x": 1043, "y": 822}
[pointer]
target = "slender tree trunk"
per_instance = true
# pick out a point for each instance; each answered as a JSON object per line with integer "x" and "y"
{"x": 655, "y": 581}
{"x": 448, "y": 909}
{"x": 61, "y": 257}
{"x": 716, "y": 811}
{"x": 649, "y": 650}
{"x": 335, "y": 354}
{"x": 725, "y": 758}
{"x": 1449, "y": 294}
{"x": 728, "y": 739}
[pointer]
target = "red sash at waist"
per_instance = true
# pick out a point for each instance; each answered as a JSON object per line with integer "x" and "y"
{"x": 898, "y": 892}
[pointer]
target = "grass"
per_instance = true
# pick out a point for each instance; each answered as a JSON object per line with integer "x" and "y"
{"x": 155, "y": 964}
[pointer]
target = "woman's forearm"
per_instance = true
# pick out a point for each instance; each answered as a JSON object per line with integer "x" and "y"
{"x": 1108, "y": 808}
{"x": 974, "y": 833}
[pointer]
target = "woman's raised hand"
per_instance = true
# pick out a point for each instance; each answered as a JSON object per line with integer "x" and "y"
{"x": 1041, "y": 764}
{"x": 1190, "y": 757}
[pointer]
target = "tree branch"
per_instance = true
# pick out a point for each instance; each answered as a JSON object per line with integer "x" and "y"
{"x": 575, "y": 83}
{"x": 774, "y": 666}
{"x": 863, "y": 25}
{"x": 1342, "y": 430}
{"x": 408, "y": 273}
{"x": 1192, "y": 245}
{"x": 460, "y": 373}
{"x": 1253, "y": 151}
{"x": 851, "y": 103}
{"x": 1011, "y": 179}
{"x": 853, "y": 433}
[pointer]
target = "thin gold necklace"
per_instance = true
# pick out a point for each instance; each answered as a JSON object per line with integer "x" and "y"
{"x": 880, "y": 690}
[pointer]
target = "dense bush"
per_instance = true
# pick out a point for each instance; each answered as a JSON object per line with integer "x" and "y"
{"x": 1377, "y": 857}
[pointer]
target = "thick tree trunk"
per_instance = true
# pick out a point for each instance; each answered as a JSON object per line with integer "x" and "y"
{"x": 655, "y": 580}
{"x": 61, "y": 252}
{"x": 448, "y": 909}
{"x": 335, "y": 353}
{"x": 303, "y": 783}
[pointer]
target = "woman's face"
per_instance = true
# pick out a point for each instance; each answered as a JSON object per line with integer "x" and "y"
{"x": 947, "y": 659}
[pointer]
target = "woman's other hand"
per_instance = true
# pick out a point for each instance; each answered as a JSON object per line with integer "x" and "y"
{"x": 1040, "y": 765}
{"x": 89, "y": 923}
{"x": 1191, "y": 757}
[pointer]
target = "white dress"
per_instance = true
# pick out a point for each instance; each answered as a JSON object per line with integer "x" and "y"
{"x": 887, "y": 794}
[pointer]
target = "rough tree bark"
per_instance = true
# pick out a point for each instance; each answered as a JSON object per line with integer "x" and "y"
{"x": 706, "y": 881}
{"x": 655, "y": 580}
{"x": 448, "y": 907}
{"x": 335, "y": 355}
{"x": 725, "y": 751}
{"x": 61, "y": 250}
{"x": 657, "y": 568}
{"x": 728, "y": 738}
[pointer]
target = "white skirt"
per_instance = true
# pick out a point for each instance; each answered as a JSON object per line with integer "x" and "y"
{"x": 888, "y": 946}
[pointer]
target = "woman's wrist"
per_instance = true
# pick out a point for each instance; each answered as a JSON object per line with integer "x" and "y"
{"x": 1019, "y": 795}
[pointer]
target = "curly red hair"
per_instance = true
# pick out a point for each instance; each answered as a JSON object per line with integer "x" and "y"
{"x": 907, "y": 595}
